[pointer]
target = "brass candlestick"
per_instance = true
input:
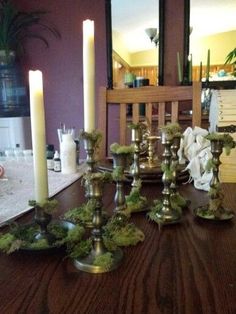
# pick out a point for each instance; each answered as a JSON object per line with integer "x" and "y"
{"x": 87, "y": 264}
{"x": 152, "y": 160}
{"x": 215, "y": 210}
{"x": 167, "y": 214}
{"x": 119, "y": 164}
{"x": 136, "y": 138}
{"x": 89, "y": 148}
{"x": 174, "y": 162}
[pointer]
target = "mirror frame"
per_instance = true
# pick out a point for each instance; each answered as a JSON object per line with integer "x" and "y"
{"x": 161, "y": 41}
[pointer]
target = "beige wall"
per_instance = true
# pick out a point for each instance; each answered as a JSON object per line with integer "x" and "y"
{"x": 220, "y": 45}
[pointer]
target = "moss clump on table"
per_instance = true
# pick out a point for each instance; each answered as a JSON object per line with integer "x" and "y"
{"x": 135, "y": 201}
{"x": 23, "y": 237}
{"x": 119, "y": 232}
{"x": 172, "y": 130}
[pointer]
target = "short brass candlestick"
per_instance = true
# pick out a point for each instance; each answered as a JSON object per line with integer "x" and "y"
{"x": 43, "y": 219}
{"x": 167, "y": 214}
{"x": 152, "y": 160}
{"x": 95, "y": 191}
{"x": 136, "y": 138}
{"x": 119, "y": 164}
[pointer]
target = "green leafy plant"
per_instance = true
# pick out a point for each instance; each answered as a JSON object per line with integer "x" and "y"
{"x": 231, "y": 59}
{"x": 16, "y": 27}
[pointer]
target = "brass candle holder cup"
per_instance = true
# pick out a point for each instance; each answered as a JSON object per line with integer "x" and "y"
{"x": 90, "y": 262}
{"x": 152, "y": 160}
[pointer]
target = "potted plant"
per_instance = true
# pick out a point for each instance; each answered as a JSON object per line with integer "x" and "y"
{"x": 231, "y": 58}
{"x": 16, "y": 27}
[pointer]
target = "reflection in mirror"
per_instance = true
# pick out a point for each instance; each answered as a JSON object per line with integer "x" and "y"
{"x": 135, "y": 38}
{"x": 212, "y": 38}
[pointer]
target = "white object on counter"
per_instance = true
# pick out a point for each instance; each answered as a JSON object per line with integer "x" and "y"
{"x": 68, "y": 154}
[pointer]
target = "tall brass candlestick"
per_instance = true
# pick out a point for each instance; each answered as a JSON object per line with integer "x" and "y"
{"x": 215, "y": 210}
{"x": 174, "y": 162}
{"x": 136, "y": 138}
{"x": 87, "y": 264}
{"x": 119, "y": 164}
{"x": 167, "y": 214}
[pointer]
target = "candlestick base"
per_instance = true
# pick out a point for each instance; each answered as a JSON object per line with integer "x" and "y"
{"x": 203, "y": 212}
{"x": 87, "y": 263}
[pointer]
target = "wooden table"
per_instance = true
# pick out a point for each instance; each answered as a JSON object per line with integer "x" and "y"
{"x": 185, "y": 268}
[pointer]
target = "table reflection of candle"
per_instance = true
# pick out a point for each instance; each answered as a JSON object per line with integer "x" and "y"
{"x": 38, "y": 135}
{"x": 89, "y": 75}
{"x": 208, "y": 65}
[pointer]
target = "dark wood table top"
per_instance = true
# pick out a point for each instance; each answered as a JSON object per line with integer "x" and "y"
{"x": 185, "y": 268}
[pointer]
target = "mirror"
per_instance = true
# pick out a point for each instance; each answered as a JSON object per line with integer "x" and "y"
{"x": 213, "y": 36}
{"x": 133, "y": 48}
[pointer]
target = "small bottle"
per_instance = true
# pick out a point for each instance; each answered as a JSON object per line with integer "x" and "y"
{"x": 57, "y": 162}
{"x": 68, "y": 154}
{"x": 50, "y": 154}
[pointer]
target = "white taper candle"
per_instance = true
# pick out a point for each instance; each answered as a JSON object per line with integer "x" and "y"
{"x": 38, "y": 136}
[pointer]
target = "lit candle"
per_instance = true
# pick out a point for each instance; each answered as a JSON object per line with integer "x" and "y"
{"x": 89, "y": 75}
{"x": 179, "y": 68}
{"x": 208, "y": 65}
{"x": 38, "y": 136}
{"x": 200, "y": 72}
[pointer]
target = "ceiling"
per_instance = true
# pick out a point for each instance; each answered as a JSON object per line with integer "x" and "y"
{"x": 207, "y": 17}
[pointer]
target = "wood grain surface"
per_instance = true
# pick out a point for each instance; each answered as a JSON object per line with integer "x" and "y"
{"x": 185, "y": 268}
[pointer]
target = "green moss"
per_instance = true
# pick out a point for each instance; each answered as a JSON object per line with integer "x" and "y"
{"x": 172, "y": 130}
{"x": 135, "y": 201}
{"x": 116, "y": 148}
{"x": 83, "y": 213}
{"x": 95, "y": 136}
{"x": 39, "y": 244}
{"x": 57, "y": 230}
{"x": 177, "y": 201}
{"x": 104, "y": 261}
{"x": 156, "y": 208}
{"x": 118, "y": 174}
{"x": 75, "y": 234}
{"x": 97, "y": 176}
{"x": 6, "y": 241}
{"x": 136, "y": 126}
{"x": 226, "y": 139}
{"x": 122, "y": 233}
{"x": 49, "y": 206}
{"x": 80, "y": 249}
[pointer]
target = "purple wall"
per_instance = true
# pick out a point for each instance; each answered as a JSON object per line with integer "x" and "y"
{"x": 61, "y": 63}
